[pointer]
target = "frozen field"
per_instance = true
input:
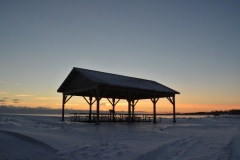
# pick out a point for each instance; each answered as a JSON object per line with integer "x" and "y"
{"x": 41, "y": 137}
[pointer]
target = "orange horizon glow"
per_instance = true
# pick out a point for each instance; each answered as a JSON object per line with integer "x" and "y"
{"x": 184, "y": 103}
{"x": 163, "y": 105}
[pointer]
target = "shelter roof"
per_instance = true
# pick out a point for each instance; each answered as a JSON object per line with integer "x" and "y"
{"x": 80, "y": 80}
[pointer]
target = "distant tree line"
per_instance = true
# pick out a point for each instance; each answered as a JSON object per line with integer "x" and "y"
{"x": 216, "y": 113}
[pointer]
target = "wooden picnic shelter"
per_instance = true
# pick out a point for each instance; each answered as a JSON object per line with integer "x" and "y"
{"x": 94, "y": 85}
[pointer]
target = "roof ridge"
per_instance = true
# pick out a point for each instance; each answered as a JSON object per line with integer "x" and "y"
{"x": 84, "y": 73}
{"x": 114, "y": 74}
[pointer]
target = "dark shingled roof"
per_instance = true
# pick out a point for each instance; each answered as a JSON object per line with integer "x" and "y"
{"x": 90, "y": 78}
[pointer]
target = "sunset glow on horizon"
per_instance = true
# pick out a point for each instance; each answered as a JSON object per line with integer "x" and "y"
{"x": 78, "y": 103}
{"x": 189, "y": 46}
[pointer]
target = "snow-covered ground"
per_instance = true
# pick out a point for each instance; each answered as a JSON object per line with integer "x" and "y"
{"x": 41, "y": 137}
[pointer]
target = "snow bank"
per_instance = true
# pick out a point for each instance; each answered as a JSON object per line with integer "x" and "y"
{"x": 14, "y": 146}
{"x": 29, "y": 137}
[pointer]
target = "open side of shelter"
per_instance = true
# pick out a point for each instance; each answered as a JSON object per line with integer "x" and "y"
{"x": 97, "y": 85}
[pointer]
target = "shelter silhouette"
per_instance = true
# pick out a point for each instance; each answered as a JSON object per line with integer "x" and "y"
{"x": 98, "y": 85}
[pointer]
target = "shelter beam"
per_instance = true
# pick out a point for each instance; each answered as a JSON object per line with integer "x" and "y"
{"x": 154, "y": 101}
{"x": 133, "y": 104}
{"x": 172, "y": 100}
{"x": 113, "y": 103}
{"x": 65, "y": 99}
{"x": 90, "y": 103}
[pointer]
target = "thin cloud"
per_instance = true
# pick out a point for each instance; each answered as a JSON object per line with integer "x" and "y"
{"x": 46, "y": 98}
{"x": 70, "y": 104}
{"x": 2, "y": 81}
{"x": 23, "y": 95}
{"x": 122, "y": 104}
{"x": 17, "y": 84}
{"x": 15, "y": 100}
{"x": 2, "y": 101}
{"x": 3, "y": 93}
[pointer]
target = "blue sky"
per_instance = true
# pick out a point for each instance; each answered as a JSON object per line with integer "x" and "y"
{"x": 190, "y": 46}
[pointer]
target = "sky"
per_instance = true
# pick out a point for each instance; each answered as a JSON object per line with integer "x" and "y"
{"x": 190, "y": 46}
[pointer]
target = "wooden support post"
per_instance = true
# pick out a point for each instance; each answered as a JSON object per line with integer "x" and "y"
{"x": 113, "y": 101}
{"x": 90, "y": 109}
{"x": 129, "y": 111}
{"x": 129, "y": 107}
{"x": 65, "y": 99}
{"x": 173, "y": 103}
{"x": 63, "y": 106}
{"x": 154, "y": 100}
{"x": 154, "y": 110}
{"x": 133, "y": 105}
{"x": 174, "y": 117}
{"x": 90, "y": 102}
{"x": 98, "y": 102}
